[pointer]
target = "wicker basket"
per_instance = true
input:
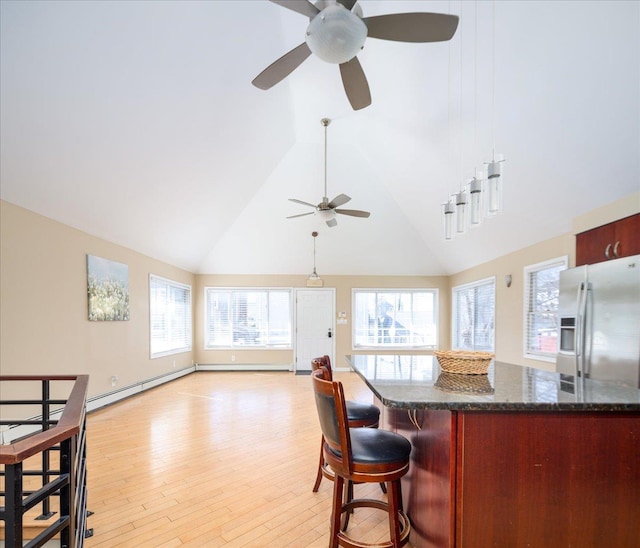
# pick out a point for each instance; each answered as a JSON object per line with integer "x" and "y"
{"x": 464, "y": 361}
{"x": 464, "y": 384}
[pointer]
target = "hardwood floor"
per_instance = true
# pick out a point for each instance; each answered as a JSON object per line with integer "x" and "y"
{"x": 216, "y": 459}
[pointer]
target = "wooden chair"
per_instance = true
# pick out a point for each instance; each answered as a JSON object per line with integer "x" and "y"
{"x": 358, "y": 414}
{"x": 360, "y": 455}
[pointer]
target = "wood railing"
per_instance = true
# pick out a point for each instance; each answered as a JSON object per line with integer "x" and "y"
{"x": 64, "y": 438}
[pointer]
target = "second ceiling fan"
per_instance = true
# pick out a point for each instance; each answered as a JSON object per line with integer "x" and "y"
{"x": 337, "y": 32}
{"x": 326, "y": 209}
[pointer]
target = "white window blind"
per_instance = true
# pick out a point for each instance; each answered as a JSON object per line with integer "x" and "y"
{"x": 258, "y": 318}
{"x": 541, "y": 308}
{"x": 395, "y": 318}
{"x": 474, "y": 316}
{"x": 170, "y": 316}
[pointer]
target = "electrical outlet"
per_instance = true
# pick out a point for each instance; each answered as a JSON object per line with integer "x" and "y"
{"x": 233, "y": 357}
{"x": 114, "y": 380}
{"x": 174, "y": 364}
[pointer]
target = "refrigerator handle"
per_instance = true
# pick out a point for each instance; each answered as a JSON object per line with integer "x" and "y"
{"x": 582, "y": 325}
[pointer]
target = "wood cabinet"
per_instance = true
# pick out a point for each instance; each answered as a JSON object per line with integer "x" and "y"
{"x": 611, "y": 241}
{"x": 536, "y": 479}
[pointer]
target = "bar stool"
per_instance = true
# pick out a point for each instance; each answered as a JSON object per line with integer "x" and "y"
{"x": 358, "y": 414}
{"x": 360, "y": 455}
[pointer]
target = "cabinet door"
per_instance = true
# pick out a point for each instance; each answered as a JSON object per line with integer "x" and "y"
{"x": 618, "y": 239}
{"x": 592, "y": 244}
{"x": 628, "y": 236}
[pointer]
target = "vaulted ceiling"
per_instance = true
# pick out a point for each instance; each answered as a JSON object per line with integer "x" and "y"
{"x": 136, "y": 121}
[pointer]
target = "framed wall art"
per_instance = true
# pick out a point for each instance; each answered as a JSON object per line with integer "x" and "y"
{"x": 107, "y": 289}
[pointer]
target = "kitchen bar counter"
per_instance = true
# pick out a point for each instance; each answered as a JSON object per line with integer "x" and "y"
{"x": 518, "y": 457}
{"x": 417, "y": 382}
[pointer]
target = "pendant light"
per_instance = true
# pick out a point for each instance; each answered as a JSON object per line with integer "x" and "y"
{"x": 461, "y": 211}
{"x": 494, "y": 166}
{"x": 448, "y": 210}
{"x": 314, "y": 280}
{"x": 475, "y": 200}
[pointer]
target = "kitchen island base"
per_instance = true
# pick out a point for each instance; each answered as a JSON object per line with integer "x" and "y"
{"x": 522, "y": 478}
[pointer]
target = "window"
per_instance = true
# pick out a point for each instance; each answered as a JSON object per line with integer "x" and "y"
{"x": 474, "y": 316}
{"x": 541, "y": 293}
{"x": 395, "y": 318}
{"x": 247, "y": 318}
{"x": 170, "y": 316}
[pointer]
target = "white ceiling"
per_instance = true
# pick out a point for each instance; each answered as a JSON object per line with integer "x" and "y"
{"x": 137, "y": 122}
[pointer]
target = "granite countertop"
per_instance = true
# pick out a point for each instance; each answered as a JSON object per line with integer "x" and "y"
{"x": 417, "y": 382}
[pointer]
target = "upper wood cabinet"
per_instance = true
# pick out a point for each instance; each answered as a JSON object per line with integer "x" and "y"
{"x": 611, "y": 241}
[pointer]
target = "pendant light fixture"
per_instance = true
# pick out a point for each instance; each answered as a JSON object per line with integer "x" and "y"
{"x": 494, "y": 166}
{"x": 314, "y": 280}
{"x": 448, "y": 210}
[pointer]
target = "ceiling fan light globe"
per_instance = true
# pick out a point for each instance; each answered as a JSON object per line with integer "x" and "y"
{"x": 336, "y": 35}
{"x": 325, "y": 214}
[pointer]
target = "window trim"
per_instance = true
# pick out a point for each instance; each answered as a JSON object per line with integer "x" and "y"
{"x": 290, "y": 346}
{"x": 563, "y": 260}
{"x": 476, "y": 283}
{"x": 436, "y": 317}
{"x": 181, "y": 285}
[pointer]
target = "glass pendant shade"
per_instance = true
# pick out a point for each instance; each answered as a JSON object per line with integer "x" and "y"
{"x": 447, "y": 214}
{"x": 336, "y": 35}
{"x": 475, "y": 201}
{"x": 461, "y": 212}
{"x": 494, "y": 186}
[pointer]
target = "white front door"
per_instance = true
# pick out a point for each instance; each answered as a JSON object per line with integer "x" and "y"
{"x": 314, "y": 326}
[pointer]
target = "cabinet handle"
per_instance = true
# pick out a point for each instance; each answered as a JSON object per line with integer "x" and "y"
{"x": 615, "y": 249}
{"x": 607, "y": 250}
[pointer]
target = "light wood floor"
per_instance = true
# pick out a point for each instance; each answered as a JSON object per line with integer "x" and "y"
{"x": 216, "y": 459}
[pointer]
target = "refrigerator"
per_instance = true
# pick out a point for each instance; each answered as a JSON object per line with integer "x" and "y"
{"x": 599, "y": 321}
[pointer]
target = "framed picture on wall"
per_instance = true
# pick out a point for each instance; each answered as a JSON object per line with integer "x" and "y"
{"x": 107, "y": 289}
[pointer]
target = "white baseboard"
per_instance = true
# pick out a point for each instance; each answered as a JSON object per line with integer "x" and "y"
{"x": 111, "y": 397}
{"x": 244, "y": 367}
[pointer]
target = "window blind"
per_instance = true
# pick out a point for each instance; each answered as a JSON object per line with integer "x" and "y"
{"x": 170, "y": 316}
{"x": 541, "y": 307}
{"x": 395, "y": 318}
{"x": 248, "y": 318}
{"x": 474, "y": 316}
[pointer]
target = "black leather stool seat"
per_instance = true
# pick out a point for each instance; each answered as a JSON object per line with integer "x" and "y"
{"x": 357, "y": 411}
{"x": 370, "y": 445}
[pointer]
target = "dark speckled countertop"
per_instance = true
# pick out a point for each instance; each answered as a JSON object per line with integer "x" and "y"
{"x": 417, "y": 382}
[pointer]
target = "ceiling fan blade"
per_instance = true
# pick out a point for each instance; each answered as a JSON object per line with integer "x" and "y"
{"x": 412, "y": 27}
{"x": 355, "y": 84}
{"x": 348, "y": 3}
{"x": 332, "y": 222}
{"x": 300, "y": 215}
{"x": 301, "y": 202}
{"x": 353, "y": 212}
{"x": 280, "y": 69}
{"x": 303, "y": 7}
{"x": 339, "y": 200}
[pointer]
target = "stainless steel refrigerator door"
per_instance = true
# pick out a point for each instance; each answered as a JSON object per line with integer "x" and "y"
{"x": 569, "y": 325}
{"x": 612, "y": 327}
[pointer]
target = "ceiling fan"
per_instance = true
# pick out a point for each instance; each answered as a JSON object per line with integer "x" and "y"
{"x": 337, "y": 32}
{"x": 326, "y": 209}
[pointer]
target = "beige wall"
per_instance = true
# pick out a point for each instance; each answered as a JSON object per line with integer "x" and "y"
{"x": 43, "y": 305}
{"x": 342, "y": 285}
{"x": 43, "y": 302}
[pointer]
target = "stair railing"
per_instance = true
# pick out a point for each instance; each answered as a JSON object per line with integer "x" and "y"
{"x": 68, "y": 483}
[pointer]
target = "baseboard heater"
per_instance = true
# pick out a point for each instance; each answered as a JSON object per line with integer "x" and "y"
{"x": 111, "y": 397}
{"x": 244, "y": 367}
